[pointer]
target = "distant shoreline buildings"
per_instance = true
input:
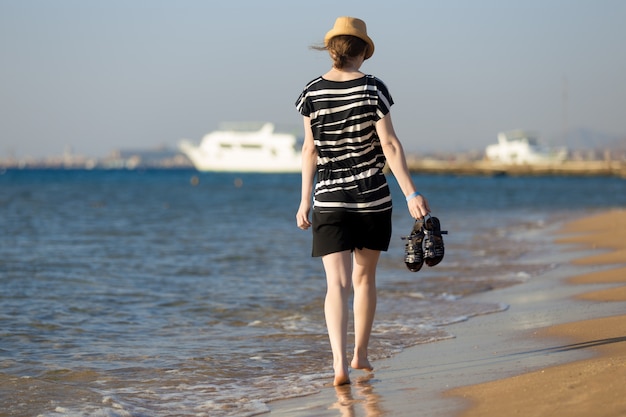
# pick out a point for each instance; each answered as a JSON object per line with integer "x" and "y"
{"x": 161, "y": 158}
{"x": 609, "y": 161}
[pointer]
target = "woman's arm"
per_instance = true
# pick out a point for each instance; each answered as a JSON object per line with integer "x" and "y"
{"x": 394, "y": 153}
{"x": 309, "y": 167}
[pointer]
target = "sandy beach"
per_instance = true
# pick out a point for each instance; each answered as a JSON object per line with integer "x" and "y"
{"x": 559, "y": 349}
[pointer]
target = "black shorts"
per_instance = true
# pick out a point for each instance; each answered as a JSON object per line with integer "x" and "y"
{"x": 337, "y": 231}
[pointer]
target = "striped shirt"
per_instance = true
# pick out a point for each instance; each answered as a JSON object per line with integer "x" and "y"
{"x": 350, "y": 160}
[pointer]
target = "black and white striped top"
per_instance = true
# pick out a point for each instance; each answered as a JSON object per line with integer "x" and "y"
{"x": 350, "y": 159}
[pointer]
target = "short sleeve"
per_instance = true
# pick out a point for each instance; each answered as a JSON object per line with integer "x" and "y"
{"x": 385, "y": 101}
{"x": 303, "y": 104}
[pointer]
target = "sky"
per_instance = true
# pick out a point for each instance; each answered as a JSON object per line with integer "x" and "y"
{"x": 94, "y": 76}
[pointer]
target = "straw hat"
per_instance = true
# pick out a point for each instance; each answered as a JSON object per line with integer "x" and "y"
{"x": 351, "y": 26}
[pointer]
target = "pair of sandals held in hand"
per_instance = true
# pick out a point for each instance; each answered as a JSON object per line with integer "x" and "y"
{"x": 424, "y": 244}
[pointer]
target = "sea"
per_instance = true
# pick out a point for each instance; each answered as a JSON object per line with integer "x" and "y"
{"x": 180, "y": 293}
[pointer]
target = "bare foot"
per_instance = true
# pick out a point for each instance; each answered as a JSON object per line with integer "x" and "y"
{"x": 342, "y": 376}
{"x": 361, "y": 363}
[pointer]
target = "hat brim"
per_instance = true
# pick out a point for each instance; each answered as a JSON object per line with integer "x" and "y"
{"x": 345, "y": 31}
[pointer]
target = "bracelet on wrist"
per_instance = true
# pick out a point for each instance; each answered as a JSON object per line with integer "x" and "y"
{"x": 412, "y": 196}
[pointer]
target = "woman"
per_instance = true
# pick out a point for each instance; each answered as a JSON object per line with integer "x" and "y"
{"x": 348, "y": 138}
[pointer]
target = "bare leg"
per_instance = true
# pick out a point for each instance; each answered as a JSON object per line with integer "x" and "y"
{"x": 338, "y": 267}
{"x": 364, "y": 281}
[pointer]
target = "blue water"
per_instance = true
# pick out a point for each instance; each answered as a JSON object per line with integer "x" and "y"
{"x": 176, "y": 293}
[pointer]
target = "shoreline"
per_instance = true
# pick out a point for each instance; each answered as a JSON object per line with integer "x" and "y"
{"x": 595, "y": 168}
{"x": 546, "y": 328}
{"x": 452, "y": 165}
{"x": 593, "y": 386}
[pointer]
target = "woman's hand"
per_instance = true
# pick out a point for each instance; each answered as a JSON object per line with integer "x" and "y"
{"x": 418, "y": 207}
{"x": 302, "y": 216}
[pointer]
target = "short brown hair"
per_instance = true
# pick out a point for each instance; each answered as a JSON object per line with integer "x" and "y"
{"x": 343, "y": 48}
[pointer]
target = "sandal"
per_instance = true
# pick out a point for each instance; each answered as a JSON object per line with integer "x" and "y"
{"x": 413, "y": 252}
{"x": 433, "y": 241}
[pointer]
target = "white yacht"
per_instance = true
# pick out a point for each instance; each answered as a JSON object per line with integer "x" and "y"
{"x": 236, "y": 150}
{"x": 518, "y": 147}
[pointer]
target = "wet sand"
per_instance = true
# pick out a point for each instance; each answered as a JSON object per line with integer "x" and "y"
{"x": 559, "y": 350}
{"x": 591, "y": 387}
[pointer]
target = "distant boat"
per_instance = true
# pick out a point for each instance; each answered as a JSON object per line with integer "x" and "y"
{"x": 518, "y": 147}
{"x": 237, "y": 150}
